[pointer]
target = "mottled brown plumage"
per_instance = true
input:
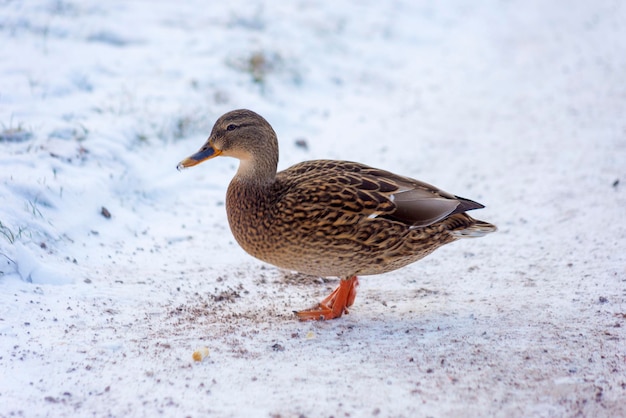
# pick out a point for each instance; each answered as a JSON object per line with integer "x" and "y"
{"x": 326, "y": 217}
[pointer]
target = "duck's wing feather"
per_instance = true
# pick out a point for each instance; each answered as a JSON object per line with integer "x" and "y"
{"x": 342, "y": 191}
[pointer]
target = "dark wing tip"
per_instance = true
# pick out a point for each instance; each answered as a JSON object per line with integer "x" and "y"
{"x": 465, "y": 205}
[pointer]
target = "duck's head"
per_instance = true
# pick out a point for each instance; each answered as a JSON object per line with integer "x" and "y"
{"x": 244, "y": 135}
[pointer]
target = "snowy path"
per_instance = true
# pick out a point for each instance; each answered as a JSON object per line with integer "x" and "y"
{"x": 518, "y": 105}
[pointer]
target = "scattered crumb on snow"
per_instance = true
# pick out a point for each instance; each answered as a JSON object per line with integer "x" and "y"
{"x": 518, "y": 105}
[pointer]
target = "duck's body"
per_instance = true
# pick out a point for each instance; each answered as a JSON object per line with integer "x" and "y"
{"x": 330, "y": 218}
{"x": 336, "y": 218}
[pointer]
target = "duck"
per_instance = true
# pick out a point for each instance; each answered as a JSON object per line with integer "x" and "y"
{"x": 329, "y": 217}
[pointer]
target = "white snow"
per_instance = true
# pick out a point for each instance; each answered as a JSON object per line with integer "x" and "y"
{"x": 520, "y": 105}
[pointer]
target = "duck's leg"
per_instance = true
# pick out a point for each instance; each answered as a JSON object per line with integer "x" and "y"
{"x": 335, "y": 304}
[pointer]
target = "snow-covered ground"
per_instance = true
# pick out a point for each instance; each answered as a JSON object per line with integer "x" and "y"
{"x": 520, "y": 105}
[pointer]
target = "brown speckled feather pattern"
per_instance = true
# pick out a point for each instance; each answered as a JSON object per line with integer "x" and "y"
{"x": 336, "y": 218}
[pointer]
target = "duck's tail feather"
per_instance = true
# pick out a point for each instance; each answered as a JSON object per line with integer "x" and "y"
{"x": 474, "y": 230}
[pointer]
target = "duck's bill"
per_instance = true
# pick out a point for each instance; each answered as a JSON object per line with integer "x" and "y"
{"x": 200, "y": 156}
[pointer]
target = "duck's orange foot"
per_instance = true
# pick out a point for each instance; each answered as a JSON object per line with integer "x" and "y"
{"x": 335, "y": 304}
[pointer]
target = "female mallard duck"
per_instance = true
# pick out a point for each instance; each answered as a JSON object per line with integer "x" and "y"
{"x": 326, "y": 217}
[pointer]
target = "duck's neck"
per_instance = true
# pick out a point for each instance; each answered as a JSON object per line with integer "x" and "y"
{"x": 256, "y": 172}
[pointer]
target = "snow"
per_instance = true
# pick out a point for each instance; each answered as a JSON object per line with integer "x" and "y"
{"x": 520, "y": 105}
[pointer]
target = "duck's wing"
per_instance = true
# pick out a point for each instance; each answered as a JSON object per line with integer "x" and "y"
{"x": 343, "y": 191}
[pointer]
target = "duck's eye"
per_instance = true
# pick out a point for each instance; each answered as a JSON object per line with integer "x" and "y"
{"x": 231, "y": 127}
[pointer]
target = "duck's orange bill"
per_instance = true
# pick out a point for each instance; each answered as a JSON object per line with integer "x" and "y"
{"x": 207, "y": 152}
